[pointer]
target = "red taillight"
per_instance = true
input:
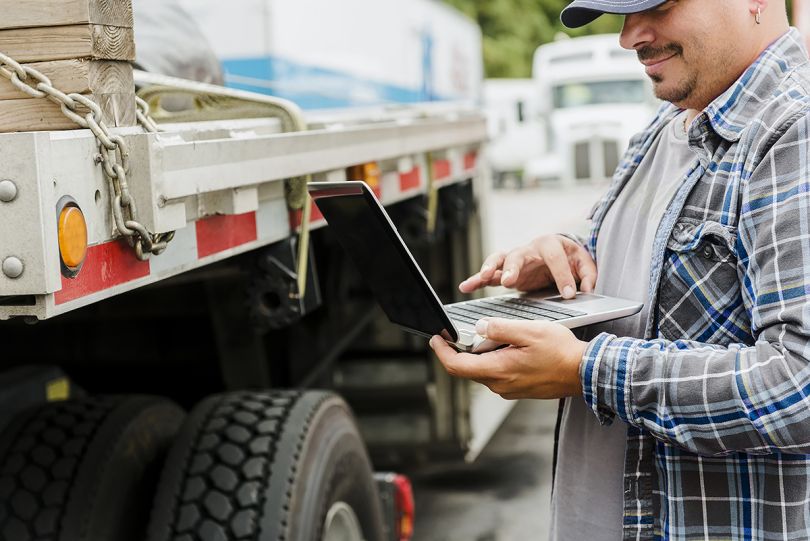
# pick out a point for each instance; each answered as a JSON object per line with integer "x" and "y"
{"x": 404, "y": 507}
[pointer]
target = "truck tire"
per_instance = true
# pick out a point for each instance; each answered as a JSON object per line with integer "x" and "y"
{"x": 267, "y": 466}
{"x": 84, "y": 470}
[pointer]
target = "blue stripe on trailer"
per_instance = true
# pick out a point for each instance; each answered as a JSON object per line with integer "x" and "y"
{"x": 317, "y": 88}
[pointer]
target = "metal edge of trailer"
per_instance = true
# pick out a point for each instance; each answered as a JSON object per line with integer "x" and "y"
{"x": 218, "y": 184}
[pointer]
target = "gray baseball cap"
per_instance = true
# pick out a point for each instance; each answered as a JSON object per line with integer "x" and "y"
{"x": 581, "y": 12}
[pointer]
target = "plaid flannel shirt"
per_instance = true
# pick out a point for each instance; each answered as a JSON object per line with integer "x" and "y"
{"x": 717, "y": 395}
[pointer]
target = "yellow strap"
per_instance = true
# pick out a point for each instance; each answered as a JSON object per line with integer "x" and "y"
{"x": 217, "y": 103}
{"x": 433, "y": 196}
{"x": 303, "y": 244}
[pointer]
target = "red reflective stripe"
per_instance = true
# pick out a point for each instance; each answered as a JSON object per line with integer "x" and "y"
{"x": 314, "y": 216}
{"x": 219, "y": 233}
{"x": 441, "y": 169}
{"x": 469, "y": 160}
{"x": 106, "y": 265}
{"x": 409, "y": 180}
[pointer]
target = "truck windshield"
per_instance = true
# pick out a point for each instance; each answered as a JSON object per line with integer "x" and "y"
{"x": 598, "y": 92}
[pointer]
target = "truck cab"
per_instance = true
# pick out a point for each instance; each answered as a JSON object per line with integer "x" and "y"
{"x": 593, "y": 97}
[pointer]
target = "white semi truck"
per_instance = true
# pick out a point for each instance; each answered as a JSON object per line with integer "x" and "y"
{"x": 594, "y": 96}
{"x": 173, "y": 388}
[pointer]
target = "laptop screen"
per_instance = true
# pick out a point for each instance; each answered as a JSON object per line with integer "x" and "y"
{"x": 369, "y": 237}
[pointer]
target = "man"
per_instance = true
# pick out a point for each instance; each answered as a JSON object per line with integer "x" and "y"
{"x": 708, "y": 222}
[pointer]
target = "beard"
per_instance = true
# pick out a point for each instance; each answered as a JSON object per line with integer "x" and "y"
{"x": 681, "y": 91}
{"x": 678, "y": 94}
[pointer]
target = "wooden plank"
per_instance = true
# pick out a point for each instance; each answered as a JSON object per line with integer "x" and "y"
{"x": 119, "y": 109}
{"x": 40, "y": 114}
{"x": 34, "y": 13}
{"x": 66, "y": 42}
{"x": 80, "y": 77}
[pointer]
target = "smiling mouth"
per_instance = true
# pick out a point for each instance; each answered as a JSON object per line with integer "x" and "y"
{"x": 654, "y": 66}
{"x": 654, "y": 58}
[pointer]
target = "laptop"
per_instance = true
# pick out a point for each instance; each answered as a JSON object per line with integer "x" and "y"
{"x": 371, "y": 240}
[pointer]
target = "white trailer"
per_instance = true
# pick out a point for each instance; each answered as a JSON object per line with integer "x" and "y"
{"x": 515, "y": 131}
{"x": 353, "y": 53}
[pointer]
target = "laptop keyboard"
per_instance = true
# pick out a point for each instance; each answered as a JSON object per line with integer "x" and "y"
{"x": 509, "y": 308}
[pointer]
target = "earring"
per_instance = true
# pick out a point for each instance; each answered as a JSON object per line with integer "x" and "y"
{"x": 758, "y": 16}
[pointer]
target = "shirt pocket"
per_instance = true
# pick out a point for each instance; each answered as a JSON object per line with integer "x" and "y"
{"x": 700, "y": 297}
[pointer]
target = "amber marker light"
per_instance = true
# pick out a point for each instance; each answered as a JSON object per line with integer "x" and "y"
{"x": 72, "y": 237}
{"x": 368, "y": 172}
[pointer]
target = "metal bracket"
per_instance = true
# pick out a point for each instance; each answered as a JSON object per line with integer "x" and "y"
{"x": 275, "y": 299}
{"x": 28, "y": 256}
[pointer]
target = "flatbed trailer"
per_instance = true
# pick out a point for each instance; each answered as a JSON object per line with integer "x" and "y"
{"x": 233, "y": 321}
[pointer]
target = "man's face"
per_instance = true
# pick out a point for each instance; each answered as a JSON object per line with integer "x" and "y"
{"x": 693, "y": 50}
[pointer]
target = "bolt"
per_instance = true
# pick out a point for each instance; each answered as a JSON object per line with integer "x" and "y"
{"x": 8, "y": 191}
{"x": 13, "y": 267}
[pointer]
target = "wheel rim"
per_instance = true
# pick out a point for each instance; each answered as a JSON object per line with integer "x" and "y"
{"x": 341, "y": 524}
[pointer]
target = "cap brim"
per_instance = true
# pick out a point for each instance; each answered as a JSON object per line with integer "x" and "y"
{"x": 576, "y": 17}
{"x": 581, "y": 12}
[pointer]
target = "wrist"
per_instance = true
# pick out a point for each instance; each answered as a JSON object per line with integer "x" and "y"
{"x": 576, "y": 361}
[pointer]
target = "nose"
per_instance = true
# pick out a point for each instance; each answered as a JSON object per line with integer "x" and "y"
{"x": 636, "y": 31}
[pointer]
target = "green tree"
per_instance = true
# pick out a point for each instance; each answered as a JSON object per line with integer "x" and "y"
{"x": 512, "y": 30}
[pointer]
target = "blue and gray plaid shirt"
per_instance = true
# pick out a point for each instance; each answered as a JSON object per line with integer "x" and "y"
{"x": 717, "y": 397}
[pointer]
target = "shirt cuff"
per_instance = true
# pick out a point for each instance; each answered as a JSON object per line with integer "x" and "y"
{"x": 605, "y": 373}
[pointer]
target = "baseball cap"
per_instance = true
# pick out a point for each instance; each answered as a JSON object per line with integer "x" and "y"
{"x": 581, "y": 12}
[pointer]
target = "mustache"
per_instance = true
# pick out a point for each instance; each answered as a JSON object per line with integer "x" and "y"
{"x": 649, "y": 52}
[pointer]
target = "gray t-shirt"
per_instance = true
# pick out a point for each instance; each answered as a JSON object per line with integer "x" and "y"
{"x": 587, "y": 499}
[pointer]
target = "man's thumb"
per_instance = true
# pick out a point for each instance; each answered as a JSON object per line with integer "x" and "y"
{"x": 505, "y": 331}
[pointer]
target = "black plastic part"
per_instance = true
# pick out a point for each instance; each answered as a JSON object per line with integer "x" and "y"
{"x": 26, "y": 386}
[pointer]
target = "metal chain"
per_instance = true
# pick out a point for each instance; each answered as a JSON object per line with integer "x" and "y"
{"x": 113, "y": 151}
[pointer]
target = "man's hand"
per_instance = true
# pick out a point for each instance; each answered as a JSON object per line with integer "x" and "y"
{"x": 541, "y": 362}
{"x": 550, "y": 259}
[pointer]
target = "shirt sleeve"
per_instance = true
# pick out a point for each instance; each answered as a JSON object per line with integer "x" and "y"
{"x": 715, "y": 400}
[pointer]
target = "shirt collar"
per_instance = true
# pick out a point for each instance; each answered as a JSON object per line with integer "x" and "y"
{"x": 731, "y": 111}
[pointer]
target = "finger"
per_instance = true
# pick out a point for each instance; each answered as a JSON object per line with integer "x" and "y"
{"x": 471, "y": 284}
{"x": 556, "y": 259}
{"x": 586, "y": 269}
{"x": 508, "y": 331}
{"x": 513, "y": 266}
{"x": 475, "y": 282}
{"x": 491, "y": 264}
{"x": 462, "y": 365}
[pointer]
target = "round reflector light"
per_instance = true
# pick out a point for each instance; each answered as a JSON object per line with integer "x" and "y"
{"x": 72, "y": 237}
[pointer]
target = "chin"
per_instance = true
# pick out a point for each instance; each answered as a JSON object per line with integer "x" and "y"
{"x": 672, "y": 94}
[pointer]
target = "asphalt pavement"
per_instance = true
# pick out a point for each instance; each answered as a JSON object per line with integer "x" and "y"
{"x": 504, "y": 495}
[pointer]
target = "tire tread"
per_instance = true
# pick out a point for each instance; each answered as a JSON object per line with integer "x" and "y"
{"x": 206, "y": 504}
{"x": 40, "y": 461}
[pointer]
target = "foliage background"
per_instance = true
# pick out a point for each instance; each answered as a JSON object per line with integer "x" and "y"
{"x": 513, "y": 29}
